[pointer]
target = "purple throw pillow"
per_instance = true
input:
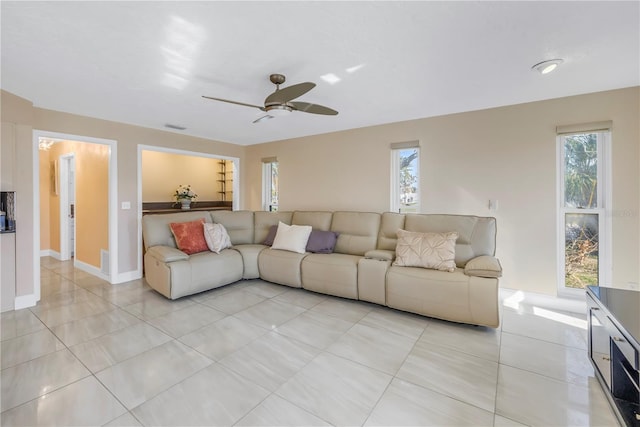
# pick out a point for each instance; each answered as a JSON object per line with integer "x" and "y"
{"x": 270, "y": 235}
{"x": 322, "y": 242}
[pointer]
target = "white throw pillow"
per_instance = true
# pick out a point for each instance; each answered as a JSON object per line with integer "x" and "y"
{"x": 292, "y": 237}
{"x": 216, "y": 236}
{"x": 426, "y": 250}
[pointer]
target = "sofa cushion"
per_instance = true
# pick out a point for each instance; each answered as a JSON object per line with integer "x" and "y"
{"x": 358, "y": 231}
{"x": 333, "y": 274}
{"x": 263, "y": 221}
{"x": 322, "y": 242}
{"x": 427, "y": 250}
{"x": 476, "y": 235}
{"x": 381, "y": 254}
{"x": 270, "y": 235}
{"x": 227, "y": 268}
{"x": 250, "y": 255}
{"x": 292, "y": 238}
{"x": 320, "y": 220}
{"x": 429, "y": 292}
{"x": 239, "y": 225}
{"x": 216, "y": 237}
{"x": 390, "y": 223}
{"x": 189, "y": 236}
{"x": 281, "y": 267}
{"x": 483, "y": 266}
{"x": 449, "y": 296}
{"x": 167, "y": 254}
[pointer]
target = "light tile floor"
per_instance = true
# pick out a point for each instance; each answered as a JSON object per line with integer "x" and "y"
{"x": 258, "y": 354}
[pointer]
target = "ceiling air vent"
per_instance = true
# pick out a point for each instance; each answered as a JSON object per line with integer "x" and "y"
{"x": 176, "y": 127}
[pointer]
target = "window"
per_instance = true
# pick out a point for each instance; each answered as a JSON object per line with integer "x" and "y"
{"x": 270, "y": 184}
{"x": 583, "y": 197}
{"x": 405, "y": 177}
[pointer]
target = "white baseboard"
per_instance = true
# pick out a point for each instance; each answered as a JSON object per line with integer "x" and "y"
{"x": 51, "y": 253}
{"x": 128, "y": 276}
{"x": 95, "y": 271}
{"x": 25, "y": 301}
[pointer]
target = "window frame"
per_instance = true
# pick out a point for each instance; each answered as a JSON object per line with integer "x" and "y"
{"x": 603, "y": 206}
{"x": 268, "y": 184}
{"x": 395, "y": 193}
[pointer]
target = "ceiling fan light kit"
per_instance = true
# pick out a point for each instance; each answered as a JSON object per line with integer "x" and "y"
{"x": 279, "y": 109}
{"x": 280, "y": 102}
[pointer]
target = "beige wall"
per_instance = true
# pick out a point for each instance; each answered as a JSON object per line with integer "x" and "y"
{"x": 16, "y": 173}
{"x": 162, "y": 173}
{"x": 507, "y": 153}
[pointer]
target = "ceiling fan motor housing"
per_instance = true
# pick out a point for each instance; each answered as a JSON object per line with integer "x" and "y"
{"x": 277, "y": 79}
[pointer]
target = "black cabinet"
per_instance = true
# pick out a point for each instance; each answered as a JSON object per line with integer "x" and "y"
{"x": 614, "y": 327}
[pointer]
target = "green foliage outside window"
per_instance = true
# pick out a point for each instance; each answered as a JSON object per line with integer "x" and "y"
{"x": 408, "y": 180}
{"x": 581, "y": 191}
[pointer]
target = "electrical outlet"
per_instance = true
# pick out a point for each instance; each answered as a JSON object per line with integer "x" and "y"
{"x": 633, "y": 285}
{"x": 126, "y": 205}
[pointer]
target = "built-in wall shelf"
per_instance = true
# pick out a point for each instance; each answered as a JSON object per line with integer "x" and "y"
{"x": 225, "y": 179}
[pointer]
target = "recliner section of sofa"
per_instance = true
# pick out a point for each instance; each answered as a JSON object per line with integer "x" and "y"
{"x": 361, "y": 266}
{"x": 337, "y": 273}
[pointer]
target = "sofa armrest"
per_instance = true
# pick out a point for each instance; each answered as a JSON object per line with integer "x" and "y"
{"x": 380, "y": 254}
{"x": 483, "y": 266}
{"x": 167, "y": 254}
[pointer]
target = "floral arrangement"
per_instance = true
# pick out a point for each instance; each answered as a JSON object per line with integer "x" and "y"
{"x": 185, "y": 192}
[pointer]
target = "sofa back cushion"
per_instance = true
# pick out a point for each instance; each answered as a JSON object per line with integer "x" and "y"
{"x": 156, "y": 231}
{"x": 390, "y": 223}
{"x": 317, "y": 220}
{"x": 476, "y": 235}
{"x": 358, "y": 231}
{"x": 264, "y": 220}
{"x": 239, "y": 225}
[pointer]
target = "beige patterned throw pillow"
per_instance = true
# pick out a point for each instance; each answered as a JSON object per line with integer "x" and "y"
{"x": 216, "y": 236}
{"x": 427, "y": 250}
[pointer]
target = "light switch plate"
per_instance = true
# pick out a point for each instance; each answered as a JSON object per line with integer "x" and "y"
{"x": 126, "y": 205}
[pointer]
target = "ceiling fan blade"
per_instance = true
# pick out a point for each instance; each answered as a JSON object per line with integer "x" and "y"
{"x": 289, "y": 93}
{"x": 234, "y": 102}
{"x": 263, "y": 118}
{"x": 313, "y": 108}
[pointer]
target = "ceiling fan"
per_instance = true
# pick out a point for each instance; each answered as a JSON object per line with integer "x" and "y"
{"x": 281, "y": 102}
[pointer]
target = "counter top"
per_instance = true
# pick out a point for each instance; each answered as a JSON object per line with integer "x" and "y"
{"x": 172, "y": 207}
{"x": 210, "y": 208}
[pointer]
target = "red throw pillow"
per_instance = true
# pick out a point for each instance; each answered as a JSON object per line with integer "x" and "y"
{"x": 189, "y": 236}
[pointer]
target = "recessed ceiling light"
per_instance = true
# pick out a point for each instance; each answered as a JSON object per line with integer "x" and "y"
{"x": 546, "y": 67}
{"x": 330, "y": 78}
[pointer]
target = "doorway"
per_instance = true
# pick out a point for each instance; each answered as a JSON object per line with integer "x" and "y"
{"x": 67, "y": 169}
{"x": 54, "y": 181}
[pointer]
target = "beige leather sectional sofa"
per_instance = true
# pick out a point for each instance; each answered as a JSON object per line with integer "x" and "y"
{"x": 359, "y": 268}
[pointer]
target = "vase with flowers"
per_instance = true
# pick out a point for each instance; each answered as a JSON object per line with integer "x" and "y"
{"x": 185, "y": 196}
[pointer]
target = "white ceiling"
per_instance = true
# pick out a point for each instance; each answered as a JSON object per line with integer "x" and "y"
{"x": 148, "y": 63}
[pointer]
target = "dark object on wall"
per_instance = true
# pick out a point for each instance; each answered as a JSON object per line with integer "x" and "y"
{"x": 7, "y": 212}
